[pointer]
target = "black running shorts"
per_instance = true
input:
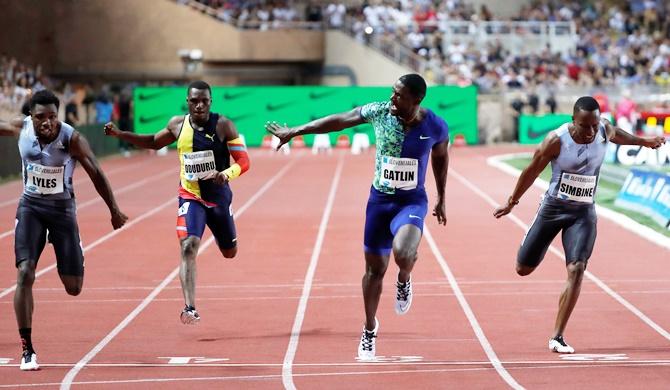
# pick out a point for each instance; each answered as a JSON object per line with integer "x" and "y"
{"x": 578, "y": 227}
{"x": 37, "y": 217}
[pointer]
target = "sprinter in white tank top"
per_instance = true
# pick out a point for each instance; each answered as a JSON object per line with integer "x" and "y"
{"x": 49, "y": 149}
{"x": 575, "y": 152}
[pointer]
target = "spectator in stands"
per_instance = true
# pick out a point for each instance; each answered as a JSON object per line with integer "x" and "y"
{"x": 103, "y": 108}
{"x": 72, "y": 113}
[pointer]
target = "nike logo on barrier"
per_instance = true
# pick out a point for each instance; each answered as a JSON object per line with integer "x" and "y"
{"x": 149, "y": 95}
{"x": 152, "y": 118}
{"x": 275, "y": 107}
{"x": 445, "y": 106}
{"x": 319, "y": 95}
{"x": 232, "y": 96}
{"x": 537, "y": 133}
{"x": 423, "y": 137}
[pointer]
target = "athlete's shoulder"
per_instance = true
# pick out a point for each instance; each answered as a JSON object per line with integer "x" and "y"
{"x": 375, "y": 109}
{"x": 437, "y": 123}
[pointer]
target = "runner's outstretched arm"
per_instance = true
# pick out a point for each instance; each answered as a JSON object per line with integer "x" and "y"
{"x": 548, "y": 150}
{"x": 81, "y": 151}
{"x": 621, "y": 137}
{"x": 156, "y": 141}
{"x": 327, "y": 124}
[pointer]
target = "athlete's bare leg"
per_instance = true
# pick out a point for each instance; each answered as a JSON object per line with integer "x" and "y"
{"x": 187, "y": 268}
{"x": 375, "y": 268}
{"x": 569, "y": 297}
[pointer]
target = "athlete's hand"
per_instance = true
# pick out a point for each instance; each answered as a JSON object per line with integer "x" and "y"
{"x": 506, "y": 209}
{"x": 111, "y": 129}
{"x": 217, "y": 177}
{"x": 654, "y": 142}
{"x": 118, "y": 219}
{"x": 439, "y": 212}
{"x": 282, "y": 132}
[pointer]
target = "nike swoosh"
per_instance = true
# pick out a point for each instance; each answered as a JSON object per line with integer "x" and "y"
{"x": 422, "y": 137}
{"x": 533, "y": 134}
{"x": 149, "y": 96}
{"x": 320, "y": 95}
{"x": 276, "y": 107}
{"x": 239, "y": 117}
{"x": 446, "y": 106}
{"x": 414, "y": 216}
{"x": 152, "y": 118}
{"x": 233, "y": 96}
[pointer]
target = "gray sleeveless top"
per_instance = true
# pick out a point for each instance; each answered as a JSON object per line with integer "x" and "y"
{"x": 574, "y": 173}
{"x": 47, "y": 172}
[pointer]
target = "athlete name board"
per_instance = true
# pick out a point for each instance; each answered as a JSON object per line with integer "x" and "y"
{"x": 44, "y": 180}
{"x": 399, "y": 173}
{"x": 579, "y": 188}
{"x": 198, "y": 164}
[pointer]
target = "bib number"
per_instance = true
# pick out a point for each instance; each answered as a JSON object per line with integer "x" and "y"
{"x": 44, "y": 180}
{"x": 399, "y": 173}
{"x": 198, "y": 164}
{"x": 578, "y": 188}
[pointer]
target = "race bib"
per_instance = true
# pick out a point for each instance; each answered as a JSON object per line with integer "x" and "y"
{"x": 399, "y": 173}
{"x": 198, "y": 164}
{"x": 44, "y": 180}
{"x": 579, "y": 188}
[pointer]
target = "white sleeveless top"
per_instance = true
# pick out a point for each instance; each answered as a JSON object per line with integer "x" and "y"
{"x": 47, "y": 172}
{"x": 574, "y": 173}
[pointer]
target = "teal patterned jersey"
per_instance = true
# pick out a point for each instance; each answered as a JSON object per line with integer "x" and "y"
{"x": 401, "y": 157}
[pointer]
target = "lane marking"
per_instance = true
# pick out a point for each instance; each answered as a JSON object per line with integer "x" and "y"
{"x": 69, "y": 377}
{"x": 307, "y": 375}
{"x": 479, "y": 332}
{"x": 558, "y": 253}
{"x": 287, "y": 370}
{"x": 562, "y": 361}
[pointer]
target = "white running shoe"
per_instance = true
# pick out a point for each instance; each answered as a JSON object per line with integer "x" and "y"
{"x": 403, "y": 297}
{"x": 366, "y": 348}
{"x": 189, "y": 316}
{"x": 557, "y": 344}
{"x": 29, "y": 361}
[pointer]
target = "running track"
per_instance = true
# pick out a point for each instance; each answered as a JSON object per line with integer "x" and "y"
{"x": 287, "y": 312}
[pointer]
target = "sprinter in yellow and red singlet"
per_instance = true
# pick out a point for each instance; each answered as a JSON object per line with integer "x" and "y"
{"x": 205, "y": 142}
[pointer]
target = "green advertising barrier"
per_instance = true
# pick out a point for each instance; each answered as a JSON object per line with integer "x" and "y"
{"x": 251, "y": 107}
{"x": 533, "y": 128}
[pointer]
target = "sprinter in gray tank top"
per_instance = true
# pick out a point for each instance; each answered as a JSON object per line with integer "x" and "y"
{"x": 576, "y": 151}
{"x": 49, "y": 150}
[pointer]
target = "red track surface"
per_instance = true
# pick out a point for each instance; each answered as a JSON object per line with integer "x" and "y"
{"x": 299, "y": 268}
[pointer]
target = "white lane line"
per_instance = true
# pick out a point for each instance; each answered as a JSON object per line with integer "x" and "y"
{"x": 69, "y": 377}
{"x": 171, "y": 201}
{"x": 558, "y": 253}
{"x": 515, "y": 363}
{"x": 287, "y": 367}
{"x": 479, "y": 332}
{"x": 247, "y": 378}
{"x": 622, "y": 220}
{"x": 99, "y": 199}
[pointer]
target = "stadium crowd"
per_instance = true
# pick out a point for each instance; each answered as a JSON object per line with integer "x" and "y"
{"x": 616, "y": 45}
